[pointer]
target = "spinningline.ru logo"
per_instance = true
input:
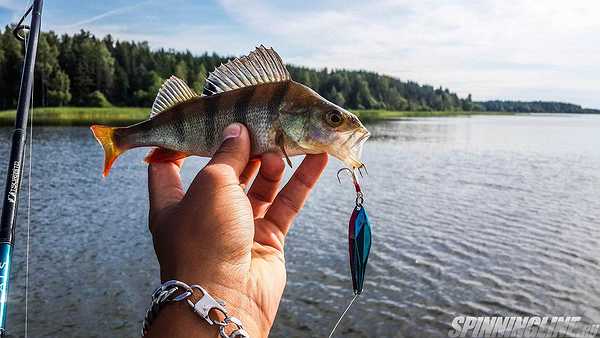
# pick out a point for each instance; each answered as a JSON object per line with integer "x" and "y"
{"x": 521, "y": 326}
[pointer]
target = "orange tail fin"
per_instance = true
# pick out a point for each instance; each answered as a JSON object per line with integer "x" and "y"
{"x": 105, "y": 136}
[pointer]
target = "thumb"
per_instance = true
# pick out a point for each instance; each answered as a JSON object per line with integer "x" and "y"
{"x": 235, "y": 149}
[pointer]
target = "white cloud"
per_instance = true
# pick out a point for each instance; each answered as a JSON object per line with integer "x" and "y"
{"x": 513, "y": 49}
{"x": 525, "y": 49}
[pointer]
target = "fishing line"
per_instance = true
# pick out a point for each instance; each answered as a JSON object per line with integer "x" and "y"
{"x": 343, "y": 314}
{"x": 359, "y": 240}
{"x": 29, "y": 175}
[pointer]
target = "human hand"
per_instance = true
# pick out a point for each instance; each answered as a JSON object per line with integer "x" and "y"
{"x": 228, "y": 241}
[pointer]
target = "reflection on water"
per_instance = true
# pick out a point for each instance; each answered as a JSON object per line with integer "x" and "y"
{"x": 480, "y": 215}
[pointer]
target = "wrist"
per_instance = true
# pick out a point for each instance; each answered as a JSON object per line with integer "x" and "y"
{"x": 233, "y": 291}
{"x": 178, "y": 320}
{"x": 188, "y": 317}
{"x": 243, "y": 307}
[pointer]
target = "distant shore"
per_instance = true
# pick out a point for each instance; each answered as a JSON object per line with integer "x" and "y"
{"x": 80, "y": 116}
{"x": 379, "y": 115}
{"x": 120, "y": 116}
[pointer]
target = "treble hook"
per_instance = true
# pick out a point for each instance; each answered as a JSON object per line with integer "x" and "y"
{"x": 354, "y": 178}
{"x": 359, "y": 194}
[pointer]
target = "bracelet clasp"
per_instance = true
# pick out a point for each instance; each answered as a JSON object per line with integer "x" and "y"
{"x": 206, "y": 304}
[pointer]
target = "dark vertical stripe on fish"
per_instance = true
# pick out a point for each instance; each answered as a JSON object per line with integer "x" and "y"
{"x": 241, "y": 106}
{"x": 278, "y": 95}
{"x": 212, "y": 107}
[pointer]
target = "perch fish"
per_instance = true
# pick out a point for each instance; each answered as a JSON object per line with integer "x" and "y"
{"x": 282, "y": 116}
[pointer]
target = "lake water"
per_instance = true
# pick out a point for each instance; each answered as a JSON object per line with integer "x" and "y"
{"x": 480, "y": 215}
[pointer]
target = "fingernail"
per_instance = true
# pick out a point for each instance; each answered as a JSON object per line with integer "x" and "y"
{"x": 232, "y": 131}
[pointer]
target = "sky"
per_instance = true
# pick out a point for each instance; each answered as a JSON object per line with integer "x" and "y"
{"x": 493, "y": 49}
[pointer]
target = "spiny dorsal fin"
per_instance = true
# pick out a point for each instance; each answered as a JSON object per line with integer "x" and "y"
{"x": 172, "y": 92}
{"x": 263, "y": 65}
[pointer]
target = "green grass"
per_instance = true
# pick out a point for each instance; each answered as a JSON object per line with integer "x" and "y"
{"x": 80, "y": 116}
{"x": 121, "y": 116}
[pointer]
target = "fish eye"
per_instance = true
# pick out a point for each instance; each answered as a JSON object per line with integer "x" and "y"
{"x": 334, "y": 118}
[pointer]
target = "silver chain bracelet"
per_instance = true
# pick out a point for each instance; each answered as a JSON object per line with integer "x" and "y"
{"x": 176, "y": 291}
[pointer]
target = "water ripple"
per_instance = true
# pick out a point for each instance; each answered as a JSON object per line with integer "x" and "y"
{"x": 482, "y": 216}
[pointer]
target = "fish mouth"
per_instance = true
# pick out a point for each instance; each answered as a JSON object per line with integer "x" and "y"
{"x": 352, "y": 148}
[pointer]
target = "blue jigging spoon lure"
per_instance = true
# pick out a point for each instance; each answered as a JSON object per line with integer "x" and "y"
{"x": 359, "y": 241}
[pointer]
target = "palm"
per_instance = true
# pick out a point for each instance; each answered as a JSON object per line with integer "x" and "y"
{"x": 273, "y": 214}
{"x": 268, "y": 276}
{"x": 216, "y": 225}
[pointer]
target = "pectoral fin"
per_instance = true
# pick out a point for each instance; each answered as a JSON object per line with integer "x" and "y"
{"x": 280, "y": 140}
{"x": 287, "y": 158}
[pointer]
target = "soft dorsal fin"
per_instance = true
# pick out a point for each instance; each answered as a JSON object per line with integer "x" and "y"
{"x": 171, "y": 93}
{"x": 263, "y": 65}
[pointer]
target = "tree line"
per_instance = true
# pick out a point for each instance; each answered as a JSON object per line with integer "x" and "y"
{"x": 535, "y": 107}
{"x": 83, "y": 70}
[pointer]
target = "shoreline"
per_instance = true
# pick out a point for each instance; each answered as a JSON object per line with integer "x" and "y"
{"x": 123, "y": 116}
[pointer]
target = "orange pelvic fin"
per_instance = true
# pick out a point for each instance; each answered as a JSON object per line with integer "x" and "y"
{"x": 106, "y": 137}
{"x": 164, "y": 155}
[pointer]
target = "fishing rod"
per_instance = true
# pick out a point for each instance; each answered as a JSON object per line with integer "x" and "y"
{"x": 17, "y": 154}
